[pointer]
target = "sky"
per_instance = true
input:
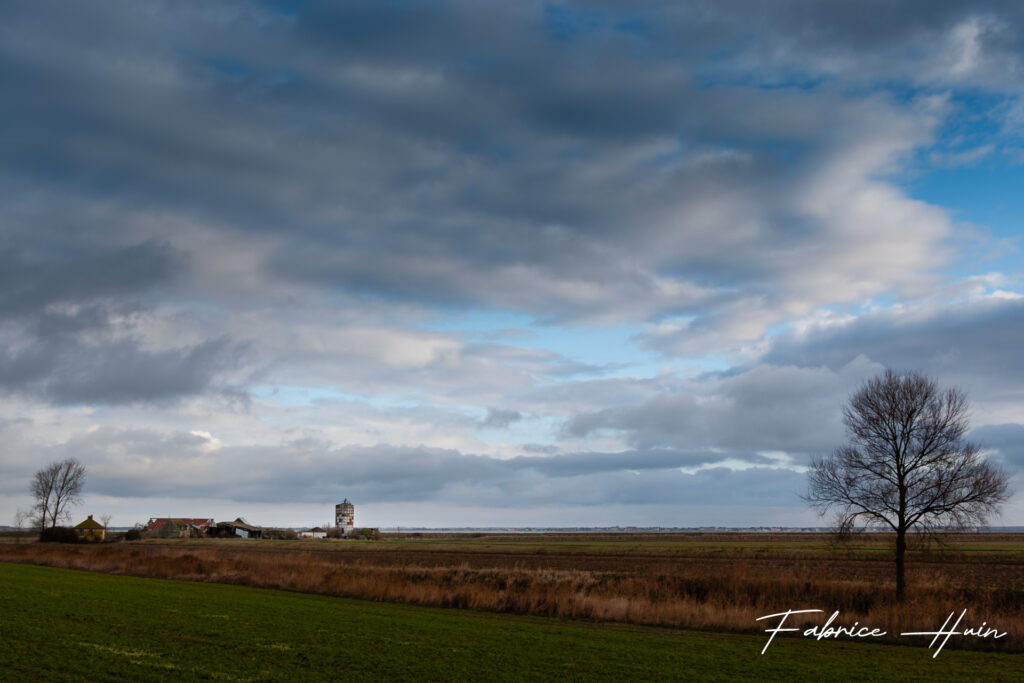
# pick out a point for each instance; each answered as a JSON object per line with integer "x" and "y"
{"x": 497, "y": 263}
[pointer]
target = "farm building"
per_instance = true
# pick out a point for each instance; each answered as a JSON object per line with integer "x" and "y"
{"x": 315, "y": 532}
{"x": 90, "y": 530}
{"x": 345, "y": 516}
{"x": 182, "y": 523}
{"x": 240, "y": 528}
{"x": 179, "y": 527}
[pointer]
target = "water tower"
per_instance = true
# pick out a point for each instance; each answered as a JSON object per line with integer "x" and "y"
{"x": 345, "y": 516}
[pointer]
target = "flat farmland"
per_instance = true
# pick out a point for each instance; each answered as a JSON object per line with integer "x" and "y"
{"x": 993, "y": 559}
{"x": 718, "y": 582}
{"x": 983, "y": 559}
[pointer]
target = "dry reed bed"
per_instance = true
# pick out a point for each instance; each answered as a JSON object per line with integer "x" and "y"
{"x": 728, "y": 598}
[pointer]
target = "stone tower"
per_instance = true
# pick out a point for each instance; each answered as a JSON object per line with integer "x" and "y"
{"x": 345, "y": 516}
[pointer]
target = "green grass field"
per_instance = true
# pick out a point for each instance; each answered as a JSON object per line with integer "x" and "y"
{"x": 67, "y": 625}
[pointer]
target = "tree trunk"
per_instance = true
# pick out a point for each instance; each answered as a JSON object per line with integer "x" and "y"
{"x": 901, "y": 549}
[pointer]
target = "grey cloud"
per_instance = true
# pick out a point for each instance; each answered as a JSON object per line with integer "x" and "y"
{"x": 1007, "y": 439}
{"x": 144, "y": 463}
{"x": 76, "y": 273}
{"x": 70, "y": 371}
{"x": 807, "y": 37}
{"x": 499, "y": 418}
{"x": 764, "y": 408}
{"x": 912, "y": 40}
{"x": 445, "y": 160}
{"x": 66, "y": 318}
{"x": 975, "y": 344}
{"x": 121, "y": 372}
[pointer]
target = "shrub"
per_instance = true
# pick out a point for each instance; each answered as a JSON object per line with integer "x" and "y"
{"x": 279, "y": 534}
{"x": 367, "y": 534}
{"x": 58, "y": 534}
{"x": 133, "y": 535}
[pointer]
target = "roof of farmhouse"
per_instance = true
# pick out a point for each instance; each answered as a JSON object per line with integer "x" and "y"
{"x": 89, "y": 523}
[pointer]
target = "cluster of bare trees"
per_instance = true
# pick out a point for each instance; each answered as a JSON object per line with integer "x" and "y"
{"x": 56, "y": 488}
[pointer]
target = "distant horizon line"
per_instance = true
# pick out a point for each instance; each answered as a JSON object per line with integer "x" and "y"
{"x": 621, "y": 529}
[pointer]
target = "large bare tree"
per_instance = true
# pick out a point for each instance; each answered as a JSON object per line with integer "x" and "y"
{"x": 56, "y": 487}
{"x": 906, "y": 465}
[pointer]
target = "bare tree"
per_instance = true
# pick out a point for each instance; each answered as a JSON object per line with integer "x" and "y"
{"x": 56, "y": 487}
{"x": 907, "y": 465}
{"x": 21, "y": 517}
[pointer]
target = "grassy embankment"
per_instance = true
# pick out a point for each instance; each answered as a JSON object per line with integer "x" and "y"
{"x": 698, "y": 581}
{"x": 67, "y": 625}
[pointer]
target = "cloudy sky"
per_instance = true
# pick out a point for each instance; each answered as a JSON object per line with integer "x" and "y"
{"x": 497, "y": 263}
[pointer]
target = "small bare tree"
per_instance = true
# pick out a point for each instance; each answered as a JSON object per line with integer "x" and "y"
{"x": 56, "y": 487}
{"x": 21, "y": 518}
{"x": 906, "y": 465}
